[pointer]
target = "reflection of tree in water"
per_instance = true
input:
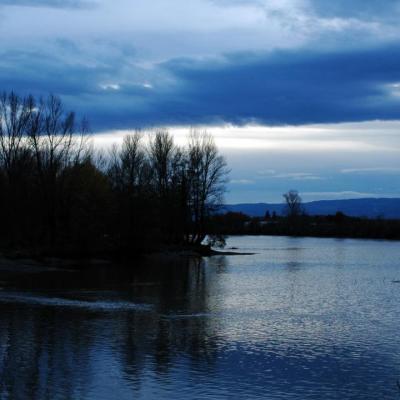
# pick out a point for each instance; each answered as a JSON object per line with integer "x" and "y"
{"x": 42, "y": 352}
{"x": 68, "y": 353}
{"x": 48, "y": 352}
{"x": 182, "y": 326}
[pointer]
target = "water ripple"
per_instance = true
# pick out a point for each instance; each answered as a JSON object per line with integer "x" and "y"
{"x": 59, "y": 302}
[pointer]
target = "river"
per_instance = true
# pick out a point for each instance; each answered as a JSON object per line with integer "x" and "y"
{"x": 301, "y": 318}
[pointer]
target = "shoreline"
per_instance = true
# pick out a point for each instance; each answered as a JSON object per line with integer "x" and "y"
{"x": 32, "y": 258}
{"x": 27, "y": 259}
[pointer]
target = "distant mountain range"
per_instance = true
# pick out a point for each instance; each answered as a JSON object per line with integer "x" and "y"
{"x": 371, "y": 208}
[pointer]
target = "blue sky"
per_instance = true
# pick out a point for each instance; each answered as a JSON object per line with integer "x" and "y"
{"x": 300, "y": 94}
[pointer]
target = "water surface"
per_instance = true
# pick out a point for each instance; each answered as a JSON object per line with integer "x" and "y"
{"x": 302, "y": 318}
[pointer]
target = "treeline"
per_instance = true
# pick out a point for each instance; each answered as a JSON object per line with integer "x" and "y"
{"x": 338, "y": 225}
{"x": 60, "y": 196}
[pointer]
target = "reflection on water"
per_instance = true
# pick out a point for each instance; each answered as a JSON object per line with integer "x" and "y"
{"x": 301, "y": 319}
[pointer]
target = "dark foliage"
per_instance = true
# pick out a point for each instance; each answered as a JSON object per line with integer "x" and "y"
{"x": 59, "y": 196}
{"x": 338, "y": 225}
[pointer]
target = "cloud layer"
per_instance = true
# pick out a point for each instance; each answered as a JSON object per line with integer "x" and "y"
{"x": 79, "y": 4}
{"x": 132, "y": 63}
{"x": 255, "y": 71}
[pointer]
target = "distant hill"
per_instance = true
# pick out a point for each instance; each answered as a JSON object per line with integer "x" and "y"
{"x": 371, "y": 208}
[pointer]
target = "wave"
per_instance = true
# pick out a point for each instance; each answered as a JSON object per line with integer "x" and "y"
{"x": 186, "y": 316}
{"x": 101, "y": 305}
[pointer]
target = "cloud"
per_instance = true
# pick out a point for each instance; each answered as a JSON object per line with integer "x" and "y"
{"x": 367, "y": 9}
{"x": 241, "y": 181}
{"x": 126, "y": 70}
{"x": 343, "y": 195}
{"x": 79, "y": 4}
{"x": 339, "y": 8}
{"x": 266, "y": 172}
{"x": 368, "y": 170}
{"x": 298, "y": 176}
{"x": 289, "y": 87}
{"x": 257, "y": 73}
{"x": 279, "y": 88}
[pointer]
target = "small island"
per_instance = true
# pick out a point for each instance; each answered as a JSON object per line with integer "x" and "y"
{"x": 61, "y": 197}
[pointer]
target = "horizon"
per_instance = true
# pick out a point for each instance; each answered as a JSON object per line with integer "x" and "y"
{"x": 313, "y": 201}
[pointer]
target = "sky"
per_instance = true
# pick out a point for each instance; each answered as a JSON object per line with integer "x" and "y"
{"x": 299, "y": 94}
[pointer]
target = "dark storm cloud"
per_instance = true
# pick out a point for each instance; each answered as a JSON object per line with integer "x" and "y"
{"x": 289, "y": 87}
{"x": 49, "y": 3}
{"x": 369, "y": 9}
{"x": 38, "y": 73}
{"x": 284, "y": 87}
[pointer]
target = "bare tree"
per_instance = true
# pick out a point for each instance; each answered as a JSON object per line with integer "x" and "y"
{"x": 128, "y": 164}
{"x": 207, "y": 174}
{"x": 293, "y": 203}
{"x": 57, "y": 142}
{"x": 57, "y": 193}
{"x": 15, "y": 116}
{"x": 161, "y": 153}
{"x": 55, "y": 137}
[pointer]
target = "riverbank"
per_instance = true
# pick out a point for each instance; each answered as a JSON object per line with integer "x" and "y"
{"x": 27, "y": 258}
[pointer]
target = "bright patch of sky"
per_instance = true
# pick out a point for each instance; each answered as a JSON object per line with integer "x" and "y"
{"x": 349, "y": 160}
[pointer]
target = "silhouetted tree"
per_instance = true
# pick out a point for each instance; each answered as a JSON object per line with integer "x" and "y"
{"x": 130, "y": 175}
{"x": 58, "y": 195}
{"x": 207, "y": 174}
{"x": 15, "y": 166}
{"x": 15, "y": 115}
{"x": 162, "y": 151}
{"x": 293, "y": 201}
{"x": 57, "y": 143}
